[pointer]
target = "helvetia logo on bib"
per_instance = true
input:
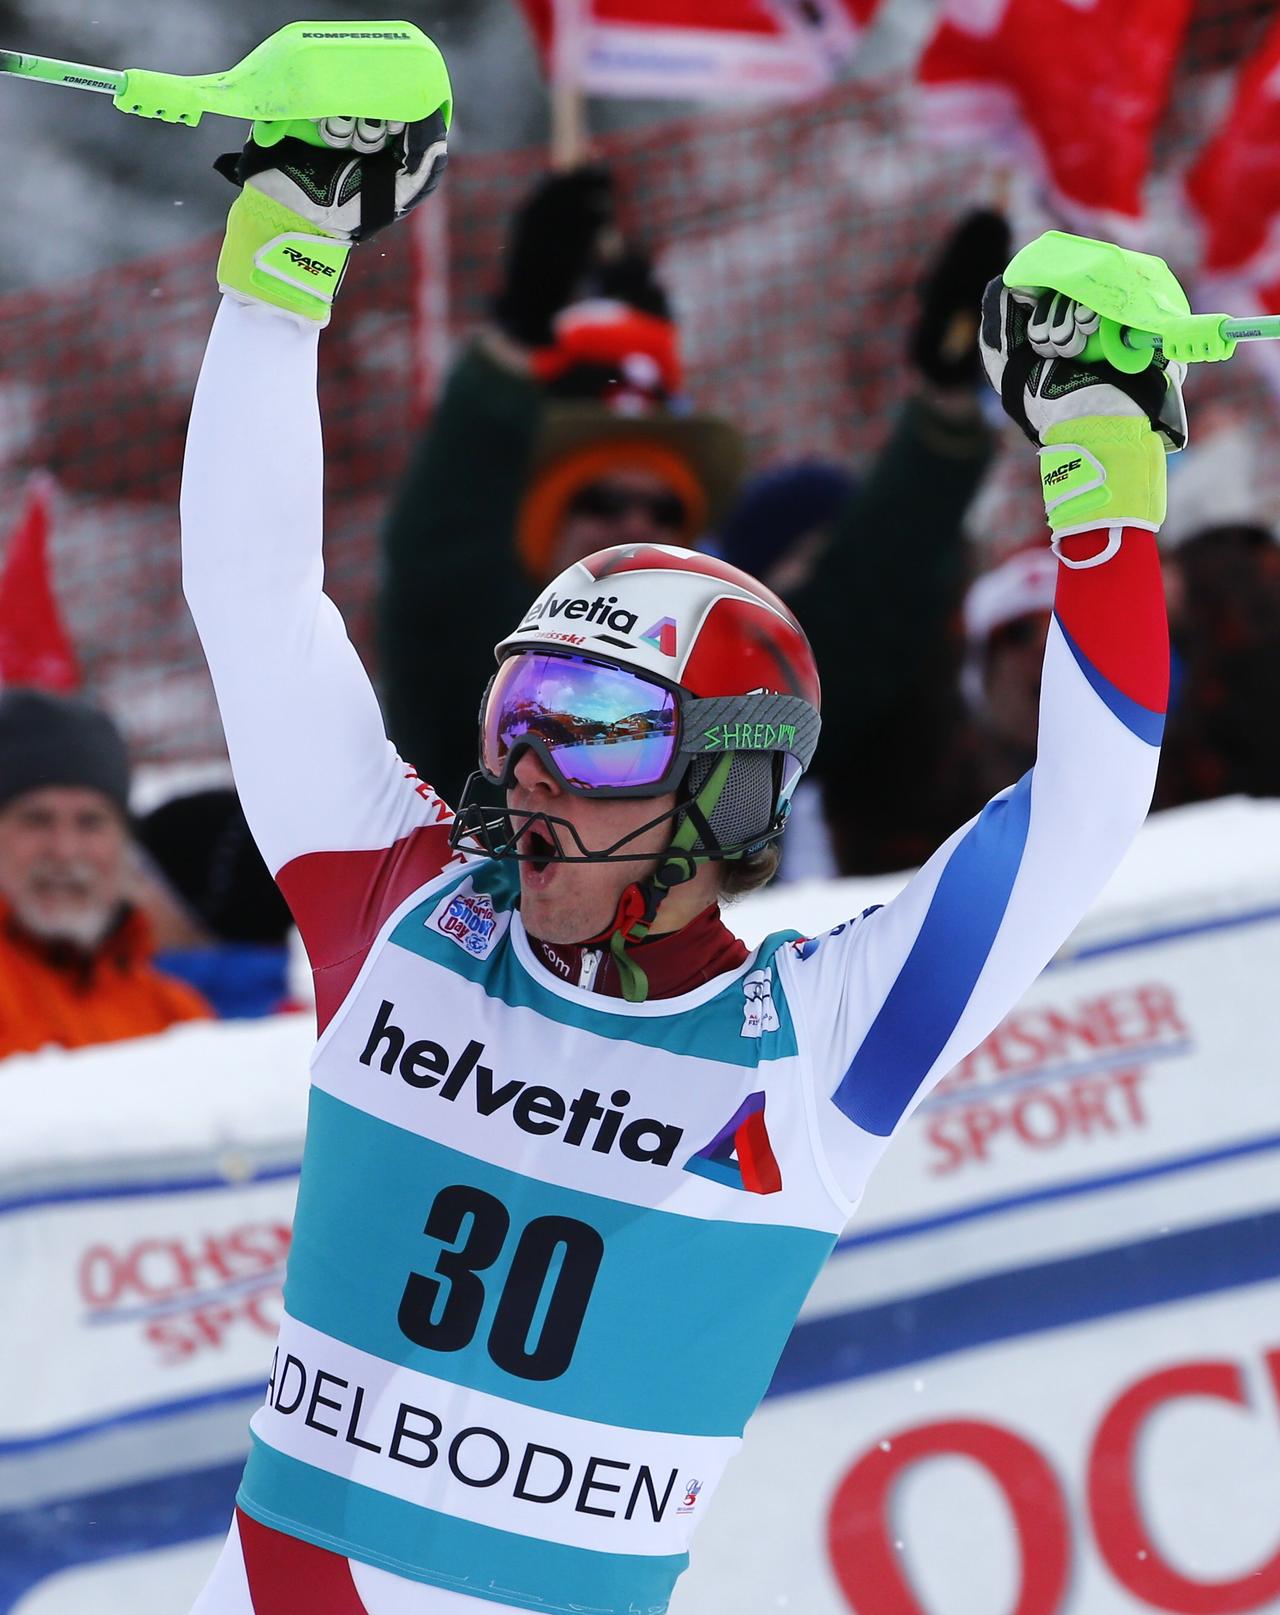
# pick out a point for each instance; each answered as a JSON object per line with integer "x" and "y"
{"x": 584, "y": 1120}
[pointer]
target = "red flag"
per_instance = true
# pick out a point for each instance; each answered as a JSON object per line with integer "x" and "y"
{"x": 1234, "y": 186}
{"x": 700, "y": 49}
{"x": 35, "y": 647}
{"x": 1077, "y": 85}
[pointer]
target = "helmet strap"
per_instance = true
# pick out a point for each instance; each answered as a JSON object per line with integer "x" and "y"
{"x": 638, "y": 906}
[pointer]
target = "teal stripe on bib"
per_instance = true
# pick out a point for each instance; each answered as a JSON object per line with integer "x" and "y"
{"x": 686, "y": 1318}
{"x": 713, "y": 1031}
{"x": 427, "y": 1546}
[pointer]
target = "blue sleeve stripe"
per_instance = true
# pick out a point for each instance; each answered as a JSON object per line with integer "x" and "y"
{"x": 937, "y": 980}
{"x": 1139, "y": 720}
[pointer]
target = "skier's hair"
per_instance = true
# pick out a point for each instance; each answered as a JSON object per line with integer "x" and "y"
{"x": 739, "y": 876}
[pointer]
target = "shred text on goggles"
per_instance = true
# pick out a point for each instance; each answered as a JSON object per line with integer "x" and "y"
{"x": 607, "y": 731}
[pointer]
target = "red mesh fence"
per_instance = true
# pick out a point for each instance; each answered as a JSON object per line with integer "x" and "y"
{"x": 790, "y": 238}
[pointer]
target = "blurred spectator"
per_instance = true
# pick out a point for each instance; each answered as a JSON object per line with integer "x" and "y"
{"x": 1224, "y": 614}
{"x": 226, "y": 928}
{"x": 874, "y": 569}
{"x": 1006, "y": 622}
{"x": 560, "y": 431}
{"x": 75, "y": 955}
{"x": 1223, "y": 586}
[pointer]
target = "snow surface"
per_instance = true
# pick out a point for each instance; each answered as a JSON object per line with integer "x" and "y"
{"x": 195, "y": 1088}
{"x": 1187, "y": 864}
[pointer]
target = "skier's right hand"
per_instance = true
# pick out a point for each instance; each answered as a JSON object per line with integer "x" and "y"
{"x": 311, "y": 192}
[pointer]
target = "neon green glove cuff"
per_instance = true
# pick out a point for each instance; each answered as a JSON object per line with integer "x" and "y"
{"x": 1100, "y": 471}
{"x": 275, "y": 256}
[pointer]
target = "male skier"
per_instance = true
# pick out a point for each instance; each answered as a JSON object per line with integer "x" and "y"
{"x": 574, "y": 1156}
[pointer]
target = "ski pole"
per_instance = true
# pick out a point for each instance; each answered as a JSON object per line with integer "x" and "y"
{"x": 388, "y": 71}
{"x": 1142, "y": 305}
{"x": 1259, "y": 328}
{"x": 51, "y": 71}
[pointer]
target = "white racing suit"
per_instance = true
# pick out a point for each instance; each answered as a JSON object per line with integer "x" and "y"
{"x": 549, "y": 1245}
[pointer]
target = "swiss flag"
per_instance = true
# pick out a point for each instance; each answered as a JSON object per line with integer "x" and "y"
{"x": 1078, "y": 85}
{"x": 1234, "y": 188}
{"x": 35, "y": 647}
{"x": 1234, "y": 184}
{"x": 700, "y": 49}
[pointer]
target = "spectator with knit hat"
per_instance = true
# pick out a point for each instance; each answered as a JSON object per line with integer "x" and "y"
{"x": 75, "y": 953}
{"x": 562, "y": 430}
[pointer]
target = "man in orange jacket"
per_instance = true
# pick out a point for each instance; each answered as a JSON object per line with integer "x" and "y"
{"x": 75, "y": 954}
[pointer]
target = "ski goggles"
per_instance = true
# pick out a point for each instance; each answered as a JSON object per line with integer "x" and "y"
{"x": 603, "y": 729}
{"x": 600, "y": 728}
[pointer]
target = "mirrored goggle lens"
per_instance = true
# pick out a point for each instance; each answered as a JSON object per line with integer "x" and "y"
{"x": 604, "y": 727}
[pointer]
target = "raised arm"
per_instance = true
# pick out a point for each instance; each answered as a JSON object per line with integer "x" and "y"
{"x": 345, "y": 827}
{"x": 313, "y": 765}
{"x": 898, "y": 997}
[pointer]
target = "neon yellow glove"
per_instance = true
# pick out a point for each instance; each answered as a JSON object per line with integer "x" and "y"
{"x": 312, "y": 190}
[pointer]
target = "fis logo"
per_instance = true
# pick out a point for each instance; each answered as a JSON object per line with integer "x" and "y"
{"x": 759, "y": 1012}
{"x": 740, "y": 1156}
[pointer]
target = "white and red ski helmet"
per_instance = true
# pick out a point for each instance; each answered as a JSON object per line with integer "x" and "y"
{"x": 692, "y": 619}
{"x": 704, "y": 627}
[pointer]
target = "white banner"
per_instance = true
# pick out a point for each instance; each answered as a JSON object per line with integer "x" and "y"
{"x": 144, "y": 1297}
{"x": 709, "y": 50}
{"x": 146, "y": 1198}
{"x": 1103, "y": 1469}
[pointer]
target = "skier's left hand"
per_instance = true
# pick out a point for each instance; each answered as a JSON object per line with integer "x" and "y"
{"x": 1031, "y": 340}
{"x": 1103, "y": 435}
{"x": 309, "y": 192}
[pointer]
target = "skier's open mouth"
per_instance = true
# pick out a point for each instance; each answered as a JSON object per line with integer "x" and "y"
{"x": 538, "y": 849}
